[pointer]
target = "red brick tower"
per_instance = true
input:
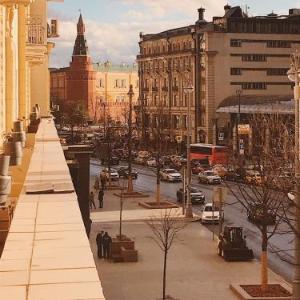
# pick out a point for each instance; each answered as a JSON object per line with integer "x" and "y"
{"x": 81, "y": 77}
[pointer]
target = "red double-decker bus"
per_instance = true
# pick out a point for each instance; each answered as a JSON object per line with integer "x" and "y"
{"x": 214, "y": 154}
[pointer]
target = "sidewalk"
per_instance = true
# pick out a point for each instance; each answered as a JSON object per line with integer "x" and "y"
{"x": 195, "y": 271}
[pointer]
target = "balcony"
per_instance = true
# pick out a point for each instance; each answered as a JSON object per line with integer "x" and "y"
{"x": 36, "y": 44}
{"x": 155, "y": 89}
{"x": 47, "y": 251}
{"x": 165, "y": 88}
{"x": 175, "y": 88}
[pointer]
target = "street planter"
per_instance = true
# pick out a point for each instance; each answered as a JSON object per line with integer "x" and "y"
{"x": 5, "y": 188}
{"x": 18, "y": 133}
{"x": 14, "y": 150}
{"x": 278, "y": 291}
{"x": 4, "y": 164}
{"x": 122, "y": 250}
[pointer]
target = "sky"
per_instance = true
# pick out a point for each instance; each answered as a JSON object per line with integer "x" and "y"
{"x": 113, "y": 26}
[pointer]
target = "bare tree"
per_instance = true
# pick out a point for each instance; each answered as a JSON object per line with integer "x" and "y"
{"x": 263, "y": 183}
{"x": 165, "y": 231}
{"x": 159, "y": 140}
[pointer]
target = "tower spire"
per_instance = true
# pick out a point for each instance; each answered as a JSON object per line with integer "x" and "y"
{"x": 80, "y": 46}
{"x": 80, "y": 25}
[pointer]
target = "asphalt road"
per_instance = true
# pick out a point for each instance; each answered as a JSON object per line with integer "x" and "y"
{"x": 280, "y": 246}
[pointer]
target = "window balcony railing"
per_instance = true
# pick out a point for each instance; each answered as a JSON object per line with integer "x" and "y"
{"x": 35, "y": 32}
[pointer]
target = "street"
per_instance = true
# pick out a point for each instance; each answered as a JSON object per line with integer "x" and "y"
{"x": 234, "y": 215}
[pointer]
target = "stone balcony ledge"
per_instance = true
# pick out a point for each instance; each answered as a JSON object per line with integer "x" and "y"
{"x": 47, "y": 254}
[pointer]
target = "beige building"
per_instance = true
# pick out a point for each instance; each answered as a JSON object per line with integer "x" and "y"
{"x": 24, "y": 52}
{"x": 112, "y": 86}
{"x": 229, "y": 59}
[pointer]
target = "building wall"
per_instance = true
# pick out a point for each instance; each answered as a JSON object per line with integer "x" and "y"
{"x": 167, "y": 68}
{"x": 220, "y": 58}
{"x": 2, "y": 71}
{"x": 250, "y": 57}
{"x": 102, "y": 92}
{"x": 112, "y": 89}
{"x": 40, "y": 93}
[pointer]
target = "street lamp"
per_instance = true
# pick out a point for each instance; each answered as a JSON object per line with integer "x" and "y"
{"x": 189, "y": 210}
{"x": 294, "y": 76}
{"x": 130, "y": 95}
{"x": 238, "y": 93}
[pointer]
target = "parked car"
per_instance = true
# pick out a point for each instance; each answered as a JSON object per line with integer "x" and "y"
{"x": 253, "y": 177}
{"x": 197, "y": 197}
{"x": 139, "y": 160}
{"x": 114, "y": 160}
{"x": 151, "y": 162}
{"x": 113, "y": 174}
{"x": 256, "y": 215}
{"x": 219, "y": 170}
{"x": 170, "y": 175}
{"x": 210, "y": 214}
{"x": 124, "y": 172}
{"x": 209, "y": 177}
{"x": 197, "y": 169}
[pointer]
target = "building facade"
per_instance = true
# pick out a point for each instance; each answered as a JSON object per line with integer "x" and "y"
{"x": 24, "y": 54}
{"x": 232, "y": 56}
{"x": 101, "y": 88}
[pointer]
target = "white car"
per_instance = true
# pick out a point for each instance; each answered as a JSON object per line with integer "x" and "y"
{"x": 151, "y": 162}
{"x": 114, "y": 175}
{"x": 209, "y": 177}
{"x": 210, "y": 214}
{"x": 170, "y": 175}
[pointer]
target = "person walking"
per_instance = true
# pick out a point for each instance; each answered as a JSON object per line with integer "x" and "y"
{"x": 99, "y": 241}
{"x": 103, "y": 180}
{"x": 100, "y": 198}
{"x": 92, "y": 200}
{"x": 106, "y": 241}
{"x": 96, "y": 184}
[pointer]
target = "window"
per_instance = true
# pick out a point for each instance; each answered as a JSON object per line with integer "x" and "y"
{"x": 123, "y": 83}
{"x": 254, "y": 57}
{"x": 254, "y": 85}
{"x": 235, "y": 43}
{"x": 235, "y": 71}
{"x": 117, "y": 83}
{"x": 176, "y": 122}
{"x": 277, "y": 72}
{"x": 175, "y": 100}
{"x": 184, "y": 122}
{"x": 278, "y": 44}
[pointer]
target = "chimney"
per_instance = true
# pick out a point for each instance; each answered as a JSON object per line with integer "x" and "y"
{"x": 227, "y": 7}
{"x": 201, "y": 11}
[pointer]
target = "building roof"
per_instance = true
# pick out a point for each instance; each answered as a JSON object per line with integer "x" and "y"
{"x": 115, "y": 68}
{"x": 257, "y": 104}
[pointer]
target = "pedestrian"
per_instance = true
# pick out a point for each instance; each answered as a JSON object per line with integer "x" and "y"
{"x": 96, "y": 184}
{"x": 100, "y": 198}
{"x": 106, "y": 242}
{"x": 91, "y": 200}
{"x": 103, "y": 180}
{"x": 99, "y": 241}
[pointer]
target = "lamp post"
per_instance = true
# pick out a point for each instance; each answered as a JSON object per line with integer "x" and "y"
{"x": 294, "y": 75}
{"x": 189, "y": 209}
{"x": 238, "y": 93}
{"x": 130, "y": 95}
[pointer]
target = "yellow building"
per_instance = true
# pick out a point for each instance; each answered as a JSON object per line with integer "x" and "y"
{"x": 24, "y": 52}
{"x": 112, "y": 86}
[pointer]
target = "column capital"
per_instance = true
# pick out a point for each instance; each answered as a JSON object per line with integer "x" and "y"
{"x": 15, "y": 2}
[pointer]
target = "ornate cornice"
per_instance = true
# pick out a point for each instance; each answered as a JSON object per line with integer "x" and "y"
{"x": 15, "y": 2}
